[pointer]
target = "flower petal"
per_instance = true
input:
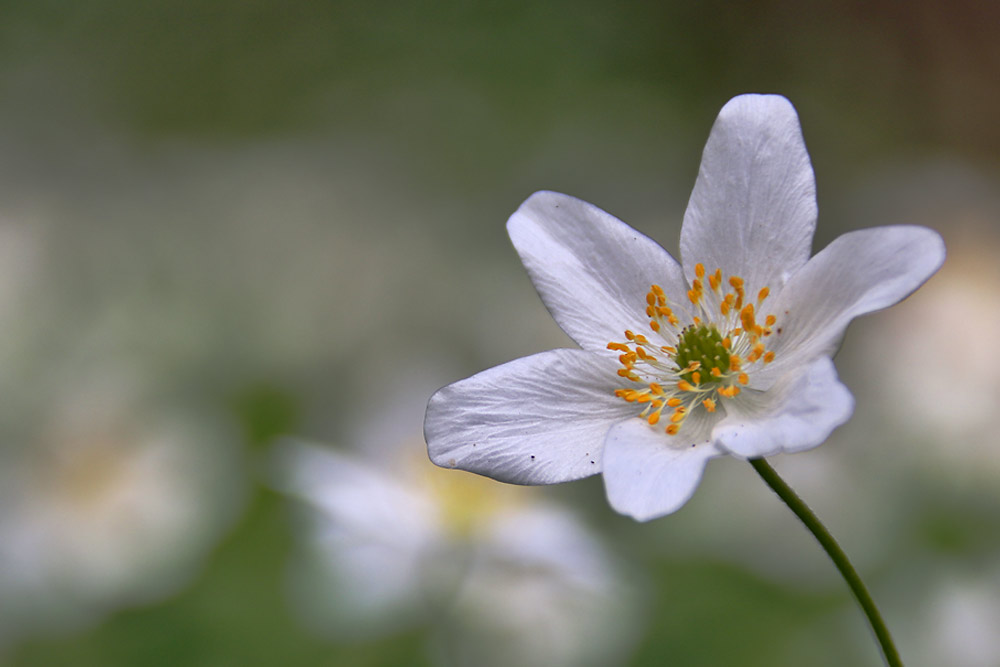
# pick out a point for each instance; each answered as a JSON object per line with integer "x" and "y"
{"x": 537, "y": 420}
{"x": 591, "y": 270}
{"x": 798, "y": 413}
{"x": 365, "y": 535}
{"x": 753, "y": 209}
{"x": 646, "y": 474}
{"x": 858, "y": 273}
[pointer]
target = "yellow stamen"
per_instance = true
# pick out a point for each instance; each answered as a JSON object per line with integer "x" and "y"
{"x": 709, "y": 404}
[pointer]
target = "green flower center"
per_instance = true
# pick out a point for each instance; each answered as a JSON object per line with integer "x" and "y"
{"x": 700, "y": 347}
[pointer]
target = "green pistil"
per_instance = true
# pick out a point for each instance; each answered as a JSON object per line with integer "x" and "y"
{"x": 702, "y": 343}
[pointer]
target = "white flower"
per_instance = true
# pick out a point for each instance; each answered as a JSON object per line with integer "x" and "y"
{"x": 496, "y": 578}
{"x": 727, "y": 352}
{"x": 115, "y": 503}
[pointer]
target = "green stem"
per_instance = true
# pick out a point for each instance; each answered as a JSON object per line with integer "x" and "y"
{"x": 836, "y": 554}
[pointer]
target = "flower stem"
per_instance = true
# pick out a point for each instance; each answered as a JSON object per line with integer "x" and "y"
{"x": 837, "y": 555}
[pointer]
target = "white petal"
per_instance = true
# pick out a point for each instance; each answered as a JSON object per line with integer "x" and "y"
{"x": 360, "y": 568}
{"x": 592, "y": 270}
{"x": 858, "y": 273}
{"x": 537, "y": 420}
{"x": 798, "y": 413}
{"x": 648, "y": 474}
{"x": 753, "y": 209}
{"x": 355, "y": 496}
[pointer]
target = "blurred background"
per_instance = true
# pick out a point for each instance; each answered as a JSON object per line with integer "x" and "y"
{"x": 241, "y": 242}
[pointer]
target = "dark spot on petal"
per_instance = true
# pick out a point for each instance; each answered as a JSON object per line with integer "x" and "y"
{"x": 591, "y": 463}
{"x": 532, "y": 457}
{"x": 780, "y": 330}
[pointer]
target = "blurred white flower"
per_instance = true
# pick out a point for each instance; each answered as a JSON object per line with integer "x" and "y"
{"x": 501, "y": 578}
{"x": 954, "y": 612}
{"x": 961, "y": 622}
{"x": 950, "y": 420}
{"x": 112, "y": 505}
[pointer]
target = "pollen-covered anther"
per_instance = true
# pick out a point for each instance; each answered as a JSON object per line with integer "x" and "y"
{"x": 729, "y": 392}
{"x": 747, "y": 317}
{"x": 715, "y": 280}
{"x": 756, "y": 353}
{"x": 709, "y": 404}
